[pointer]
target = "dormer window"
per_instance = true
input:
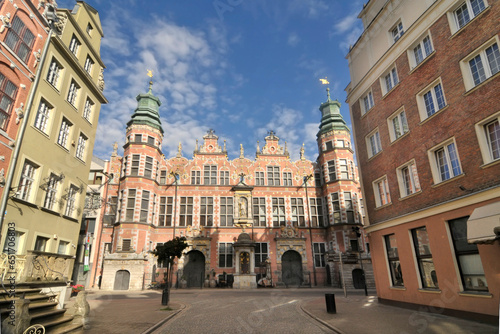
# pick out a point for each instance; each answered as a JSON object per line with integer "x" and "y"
{"x": 89, "y": 29}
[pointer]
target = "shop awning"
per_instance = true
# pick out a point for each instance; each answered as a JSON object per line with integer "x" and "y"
{"x": 482, "y": 223}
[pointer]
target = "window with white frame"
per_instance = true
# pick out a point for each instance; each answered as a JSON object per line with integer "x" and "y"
{"x": 51, "y": 191}
{"x": 431, "y": 100}
{"x": 62, "y": 139}
{"x": 349, "y": 207}
{"x": 42, "y": 116}
{"x": 278, "y": 212}
{"x": 287, "y": 179}
{"x": 481, "y": 64}
{"x": 397, "y": 31}
{"x": 397, "y": 124}
{"x": 373, "y": 144}
{"x": 465, "y": 12}
{"x": 273, "y": 175}
{"x": 319, "y": 250}
{"x": 89, "y": 63}
{"x": 136, "y": 160}
{"x": 259, "y": 211}
{"x": 89, "y": 29}
{"x": 332, "y": 171}
{"x": 41, "y": 244}
{"x": 186, "y": 211}
{"x": 26, "y": 184}
{"x": 224, "y": 177}
{"x": 225, "y": 255}
{"x": 366, "y": 103}
{"x": 316, "y": 212}
{"x": 337, "y": 215}
{"x": 389, "y": 80}
{"x": 408, "y": 179}
{"x": 259, "y": 178}
{"x": 445, "y": 163}
{"x": 63, "y": 247}
{"x": 381, "y": 191}
{"x": 143, "y": 217}
{"x": 70, "y": 200}
{"x": 488, "y": 135}
{"x": 195, "y": 177}
{"x": 261, "y": 253}
{"x": 344, "y": 169}
{"x": 74, "y": 45}
{"x": 129, "y": 215}
{"x": 13, "y": 242}
{"x": 420, "y": 51}
{"x": 298, "y": 216}
{"x": 206, "y": 211}
{"x": 165, "y": 216}
{"x": 73, "y": 93}
{"x": 80, "y": 148}
{"x": 87, "y": 111}
{"x": 210, "y": 174}
{"x": 148, "y": 167}
{"x": 8, "y": 92}
{"x": 20, "y": 39}
{"x": 54, "y": 73}
{"x": 226, "y": 211}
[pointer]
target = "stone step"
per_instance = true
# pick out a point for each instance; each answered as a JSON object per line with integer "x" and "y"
{"x": 18, "y": 292}
{"x": 68, "y": 329}
{"x": 50, "y": 324}
{"x": 33, "y": 299}
{"x": 45, "y": 313}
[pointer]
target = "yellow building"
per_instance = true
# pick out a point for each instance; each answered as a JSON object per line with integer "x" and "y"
{"x": 47, "y": 189}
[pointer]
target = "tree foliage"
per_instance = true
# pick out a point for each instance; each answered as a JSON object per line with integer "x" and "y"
{"x": 167, "y": 252}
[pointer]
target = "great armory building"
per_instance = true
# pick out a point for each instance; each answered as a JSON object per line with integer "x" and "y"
{"x": 299, "y": 214}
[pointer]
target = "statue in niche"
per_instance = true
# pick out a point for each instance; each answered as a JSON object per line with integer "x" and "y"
{"x": 244, "y": 263}
{"x": 243, "y": 207}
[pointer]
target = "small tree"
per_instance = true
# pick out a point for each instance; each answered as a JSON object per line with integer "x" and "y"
{"x": 166, "y": 254}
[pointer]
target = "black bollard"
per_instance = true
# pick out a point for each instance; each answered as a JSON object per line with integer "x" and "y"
{"x": 164, "y": 297}
{"x": 330, "y": 303}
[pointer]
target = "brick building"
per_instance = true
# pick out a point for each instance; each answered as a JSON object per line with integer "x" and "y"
{"x": 423, "y": 99}
{"x": 294, "y": 212}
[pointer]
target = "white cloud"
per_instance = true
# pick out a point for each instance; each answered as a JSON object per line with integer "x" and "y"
{"x": 293, "y": 39}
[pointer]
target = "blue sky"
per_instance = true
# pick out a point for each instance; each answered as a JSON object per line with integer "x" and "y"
{"x": 240, "y": 67}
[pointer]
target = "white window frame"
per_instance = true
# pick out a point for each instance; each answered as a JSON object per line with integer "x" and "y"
{"x": 397, "y": 31}
{"x": 64, "y": 132}
{"x": 433, "y": 160}
{"x": 414, "y": 184}
{"x": 87, "y": 110}
{"x": 51, "y": 191}
{"x": 43, "y": 116}
{"x": 399, "y": 118}
{"x": 481, "y": 52}
{"x": 54, "y": 73}
{"x": 366, "y": 102}
{"x": 73, "y": 93}
{"x": 392, "y": 73}
{"x": 81, "y": 147}
{"x": 71, "y": 200}
{"x": 453, "y": 19}
{"x": 65, "y": 244}
{"x": 431, "y": 88}
{"x": 27, "y": 182}
{"x": 89, "y": 63}
{"x": 412, "y": 55}
{"x": 74, "y": 45}
{"x": 382, "y": 198}
{"x": 483, "y": 139}
{"x": 375, "y": 134}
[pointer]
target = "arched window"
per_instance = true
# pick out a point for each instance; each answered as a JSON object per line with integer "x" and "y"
{"x": 20, "y": 39}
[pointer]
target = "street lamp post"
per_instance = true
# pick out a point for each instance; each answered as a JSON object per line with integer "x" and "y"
{"x": 306, "y": 179}
{"x": 358, "y": 235}
{"x": 176, "y": 176}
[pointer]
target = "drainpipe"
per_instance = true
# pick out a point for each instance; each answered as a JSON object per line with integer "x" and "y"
{"x": 20, "y": 134}
{"x": 306, "y": 179}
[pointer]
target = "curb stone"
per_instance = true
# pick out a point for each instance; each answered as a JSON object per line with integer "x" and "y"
{"x": 324, "y": 323}
{"x": 153, "y": 328}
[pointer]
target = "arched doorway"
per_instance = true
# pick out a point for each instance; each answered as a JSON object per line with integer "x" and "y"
{"x": 122, "y": 280}
{"x": 194, "y": 269}
{"x": 357, "y": 279}
{"x": 291, "y": 267}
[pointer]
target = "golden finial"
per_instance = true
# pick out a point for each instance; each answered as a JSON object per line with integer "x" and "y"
{"x": 150, "y": 73}
{"x": 326, "y": 82}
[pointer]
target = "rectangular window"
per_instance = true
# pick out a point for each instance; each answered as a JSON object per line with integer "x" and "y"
{"x": 70, "y": 201}
{"x": 186, "y": 211}
{"x": 344, "y": 169}
{"x": 8, "y": 92}
{"x": 225, "y": 255}
{"x": 87, "y": 111}
{"x": 492, "y": 131}
{"x": 143, "y": 218}
{"x": 20, "y": 39}
{"x": 12, "y": 244}
{"x": 41, "y": 244}
{"x": 349, "y": 207}
{"x": 62, "y": 139}
{"x": 88, "y": 64}
{"x": 408, "y": 179}
{"x": 136, "y": 160}
{"x": 316, "y": 212}
{"x": 210, "y": 174}
{"x": 485, "y": 64}
{"x": 424, "y": 258}
{"x": 151, "y": 141}
{"x": 381, "y": 191}
{"x": 337, "y": 217}
{"x": 259, "y": 178}
{"x": 207, "y": 211}
{"x": 130, "y": 205}
{"x": 73, "y": 93}
{"x": 391, "y": 80}
{"x": 446, "y": 161}
{"x": 74, "y": 45}
{"x": 422, "y": 50}
{"x": 397, "y": 31}
{"x": 89, "y": 29}
{"x": 195, "y": 177}
{"x": 80, "y": 148}
{"x": 261, "y": 254}
{"x": 467, "y": 255}
{"x": 50, "y": 193}
{"x": 398, "y": 125}
{"x": 163, "y": 177}
{"x": 63, "y": 247}
{"x": 126, "y": 245}
{"x": 226, "y": 211}
{"x": 373, "y": 144}
{"x": 273, "y": 176}
{"x": 148, "y": 167}
{"x": 367, "y": 103}
{"x": 42, "y": 116}
{"x": 287, "y": 179}
{"x": 319, "y": 250}
{"x": 393, "y": 258}
{"x": 138, "y": 138}
{"x": 259, "y": 211}
{"x": 54, "y": 73}
{"x": 278, "y": 212}
{"x": 332, "y": 172}
{"x": 166, "y": 207}
{"x": 26, "y": 184}
{"x": 298, "y": 217}
{"x": 329, "y": 145}
{"x": 434, "y": 100}
{"x": 317, "y": 180}
{"x": 224, "y": 177}
{"x": 467, "y": 11}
